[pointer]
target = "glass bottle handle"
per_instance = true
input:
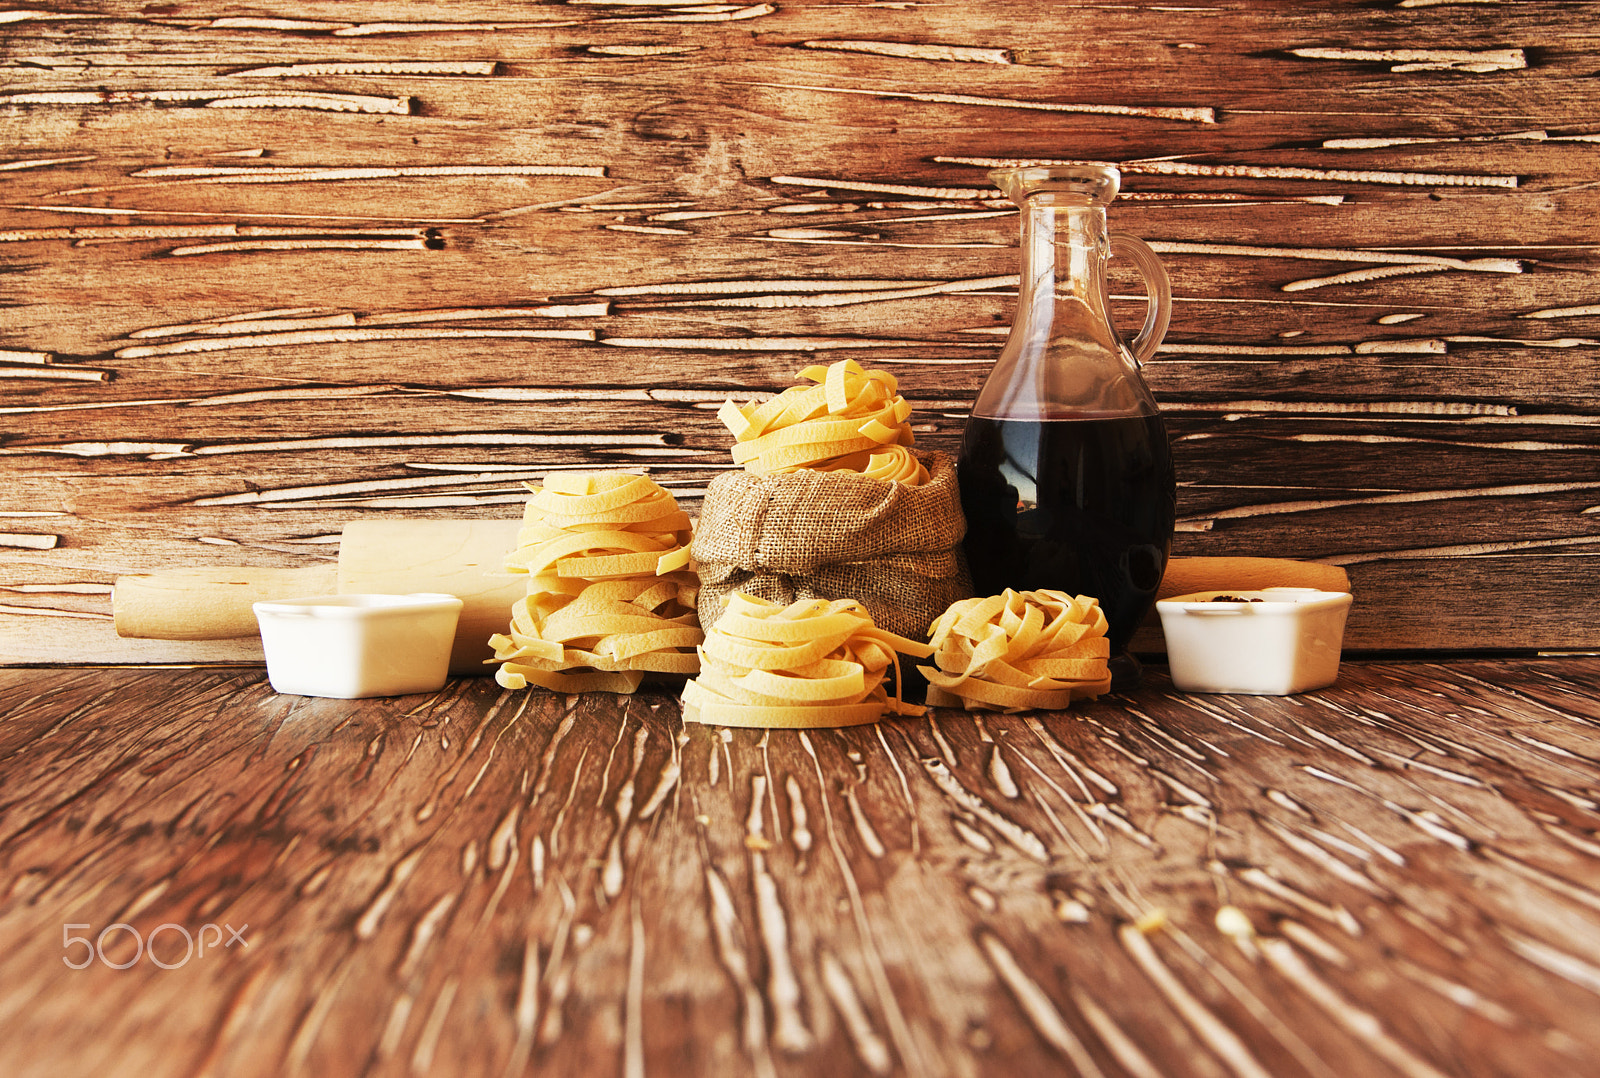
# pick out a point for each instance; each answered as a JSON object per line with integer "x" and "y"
{"x": 1158, "y": 312}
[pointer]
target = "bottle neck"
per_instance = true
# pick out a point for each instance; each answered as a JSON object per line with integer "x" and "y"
{"x": 1062, "y": 357}
{"x": 1064, "y": 252}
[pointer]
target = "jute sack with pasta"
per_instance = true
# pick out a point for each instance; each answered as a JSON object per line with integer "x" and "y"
{"x": 810, "y": 534}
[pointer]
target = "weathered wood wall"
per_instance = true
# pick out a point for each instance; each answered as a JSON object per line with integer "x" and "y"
{"x": 268, "y": 268}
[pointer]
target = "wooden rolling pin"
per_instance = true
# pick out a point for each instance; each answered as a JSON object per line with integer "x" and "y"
{"x": 463, "y": 558}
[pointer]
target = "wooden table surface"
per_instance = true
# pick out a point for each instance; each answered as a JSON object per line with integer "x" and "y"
{"x": 491, "y": 882}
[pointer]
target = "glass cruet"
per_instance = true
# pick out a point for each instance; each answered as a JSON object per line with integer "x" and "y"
{"x": 1065, "y": 470}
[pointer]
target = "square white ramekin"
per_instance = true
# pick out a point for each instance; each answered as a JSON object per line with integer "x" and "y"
{"x": 354, "y": 646}
{"x": 1287, "y": 640}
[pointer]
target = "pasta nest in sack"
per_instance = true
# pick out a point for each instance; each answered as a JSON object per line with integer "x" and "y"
{"x": 849, "y": 420}
{"x": 1018, "y": 651}
{"x": 813, "y": 663}
{"x": 611, "y": 591}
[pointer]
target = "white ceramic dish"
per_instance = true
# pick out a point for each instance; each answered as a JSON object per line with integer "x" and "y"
{"x": 354, "y": 646}
{"x": 1287, "y": 640}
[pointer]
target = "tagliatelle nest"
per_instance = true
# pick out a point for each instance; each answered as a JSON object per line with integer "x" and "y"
{"x": 600, "y": 526}
{"x": 812, "y": 663}
{"x": 611, "y": 592}
{"x": 850, "y": 420}
{"x": 1019, "y": 651}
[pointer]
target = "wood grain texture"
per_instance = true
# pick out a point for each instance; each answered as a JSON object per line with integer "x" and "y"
{"x": 269, "y": 270}
{"x": 1394, "y": 876}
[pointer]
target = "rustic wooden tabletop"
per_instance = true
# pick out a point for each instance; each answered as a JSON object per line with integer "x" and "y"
{"x": 1396, "y": 875}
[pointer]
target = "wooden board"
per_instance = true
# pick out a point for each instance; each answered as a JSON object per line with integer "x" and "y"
{"x": 266, "y": 271}
{"x": 489, "y": 882}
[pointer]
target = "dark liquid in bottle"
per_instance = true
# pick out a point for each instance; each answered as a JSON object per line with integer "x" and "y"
{"x": 1085, "y": 506}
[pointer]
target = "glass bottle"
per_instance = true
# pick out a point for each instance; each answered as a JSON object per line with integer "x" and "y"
{"x": 1065, "y": 469}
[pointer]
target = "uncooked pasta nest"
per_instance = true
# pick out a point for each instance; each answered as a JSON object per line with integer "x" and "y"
{"x": 1018, "y": 651}
{"x": 599, "y": 526}
{"x": 849, "y": 419}
{"x": 611, "y": 593}
{"x": 813, "y": 663}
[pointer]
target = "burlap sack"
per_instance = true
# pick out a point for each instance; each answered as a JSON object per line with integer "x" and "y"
{"x": 836, "y": 535}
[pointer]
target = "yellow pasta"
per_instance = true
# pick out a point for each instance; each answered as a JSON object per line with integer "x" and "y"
{"x": 813, "y": 663}
{"x": 1018, "y": 651}
{"x": 600, "y": 525}
{"x": 611, "y": 588}
{"x": 850, "y": 419}
{"x": 893, "y": 464}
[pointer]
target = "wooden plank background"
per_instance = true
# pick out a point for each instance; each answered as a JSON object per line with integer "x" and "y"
{"x": 270, "y": 268}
